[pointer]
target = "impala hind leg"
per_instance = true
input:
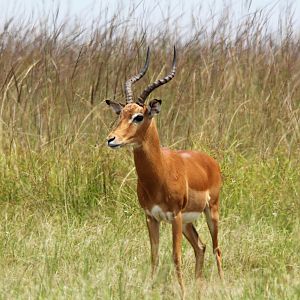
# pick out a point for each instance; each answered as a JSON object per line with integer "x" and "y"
{"x": 192, "y": 236}
{"x": 153, "y": 229}
{"x": 212, "y": 219}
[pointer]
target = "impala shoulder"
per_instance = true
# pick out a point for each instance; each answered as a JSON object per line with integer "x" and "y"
{"x": 174, "y": 159}
{"x": 185, "y": 153}
{"x": 201, "y": 157}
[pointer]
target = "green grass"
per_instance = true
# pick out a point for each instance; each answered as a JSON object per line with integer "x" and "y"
{"x": 70, "y": 223}
{"x": 66, "y": 238}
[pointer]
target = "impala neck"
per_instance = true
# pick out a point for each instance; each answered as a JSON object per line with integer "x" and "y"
{"x": 148, "y": 158}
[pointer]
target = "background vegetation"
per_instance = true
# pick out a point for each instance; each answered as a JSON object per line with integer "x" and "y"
{"x": 70, "y": 224}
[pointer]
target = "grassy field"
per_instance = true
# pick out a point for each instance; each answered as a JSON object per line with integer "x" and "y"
{"x": 70, "y": 223}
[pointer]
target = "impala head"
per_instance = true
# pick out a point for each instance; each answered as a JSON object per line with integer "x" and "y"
{"x": 135, "y": 116}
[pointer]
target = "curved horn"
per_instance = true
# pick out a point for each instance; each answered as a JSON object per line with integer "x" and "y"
{"x": 129, "y": 82}
{"x": 142, "y": 98}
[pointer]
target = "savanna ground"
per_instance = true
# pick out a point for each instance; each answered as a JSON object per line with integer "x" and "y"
{"x": 71, "y": 226}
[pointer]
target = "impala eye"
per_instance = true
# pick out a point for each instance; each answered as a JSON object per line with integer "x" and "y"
{"x": 138, "y": 118}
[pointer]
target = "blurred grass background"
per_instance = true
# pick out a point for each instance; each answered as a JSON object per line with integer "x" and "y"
{"x": 71, "y": 226}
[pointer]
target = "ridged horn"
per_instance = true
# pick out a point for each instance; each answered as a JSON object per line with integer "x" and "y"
{"x": 129, "y": 82}
{"x": 142, "y": 98}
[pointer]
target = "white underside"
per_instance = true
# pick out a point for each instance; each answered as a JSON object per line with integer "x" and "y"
{"x": 157, "y": 213}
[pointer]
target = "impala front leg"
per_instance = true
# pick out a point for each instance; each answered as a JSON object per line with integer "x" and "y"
{"x": 177, "y": 241}
{"x": 153, "y": 228}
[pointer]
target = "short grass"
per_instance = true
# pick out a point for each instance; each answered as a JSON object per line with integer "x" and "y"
{"x": 63, "y": 238}
{"x": 70, "y": 223}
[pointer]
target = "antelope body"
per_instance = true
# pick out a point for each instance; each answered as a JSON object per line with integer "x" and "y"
{"x": 173, "y": 186}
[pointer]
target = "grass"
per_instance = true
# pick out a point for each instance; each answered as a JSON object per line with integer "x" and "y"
{"x": 97, "y": 247}
{"x": 70, "y": 223}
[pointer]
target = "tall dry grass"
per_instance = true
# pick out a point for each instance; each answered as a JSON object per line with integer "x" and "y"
{"x": 235, "y": 83}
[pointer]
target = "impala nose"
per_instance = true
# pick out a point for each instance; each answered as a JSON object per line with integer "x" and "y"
{"x": 110, "y": 140}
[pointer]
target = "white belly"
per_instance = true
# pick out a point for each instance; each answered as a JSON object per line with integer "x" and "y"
{"x": 159, "y": 215}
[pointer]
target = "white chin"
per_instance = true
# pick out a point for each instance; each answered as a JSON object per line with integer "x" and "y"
{"x": 114, "y": 146}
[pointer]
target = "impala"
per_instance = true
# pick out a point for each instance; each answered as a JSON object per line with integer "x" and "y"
{"x": 175, "y": 186}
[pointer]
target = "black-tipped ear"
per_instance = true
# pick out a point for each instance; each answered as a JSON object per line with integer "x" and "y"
{"x": 116, "y": 107}
{"x": 154, "y": 107}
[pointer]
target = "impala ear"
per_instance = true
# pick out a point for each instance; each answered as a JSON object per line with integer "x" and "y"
{"x": 116, "y": 107}
{"x": 154, "y": 107}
